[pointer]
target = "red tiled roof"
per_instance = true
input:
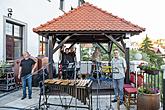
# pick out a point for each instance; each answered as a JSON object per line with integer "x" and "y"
{"x": 88, "y": 18}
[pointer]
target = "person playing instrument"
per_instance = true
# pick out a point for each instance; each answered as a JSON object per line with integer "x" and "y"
{"x": 66, "y": 58}
{"x": 72, "y": 53}
{"x": 96, "y": 56}
{"x": 118, "y": 64}
{"x": 73, "y": 62}
{"x": 26, "y": 69}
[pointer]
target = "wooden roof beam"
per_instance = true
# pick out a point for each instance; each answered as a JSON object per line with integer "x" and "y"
{"x": 72, "y": 44}
{"x": 106, "y": 51}
{"x": 115, "y": 42}
{"x": 62, "y": 43}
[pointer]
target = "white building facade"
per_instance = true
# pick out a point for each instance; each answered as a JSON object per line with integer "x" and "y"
{"x": 17, "y": 20}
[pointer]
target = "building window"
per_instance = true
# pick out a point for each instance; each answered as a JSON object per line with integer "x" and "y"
{"x": 17, "y": 31}
{"x": 43, "y": 45}
{"x": 13, "y": 40}
{"x": 9, "y": 29}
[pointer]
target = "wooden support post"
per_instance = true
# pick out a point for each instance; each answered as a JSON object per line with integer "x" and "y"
{"x": 127, "y": 45}
{"x": 110, "y": 44}
{"x": 122, "y": 42}
{"x": 54, "y": 40}
{"x": 50, "y": 56}
{"x": 128, "y": 65}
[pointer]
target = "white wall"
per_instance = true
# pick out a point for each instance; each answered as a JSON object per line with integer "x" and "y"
{"x": 1, "y": 36}
{"x": 34, "y": 13}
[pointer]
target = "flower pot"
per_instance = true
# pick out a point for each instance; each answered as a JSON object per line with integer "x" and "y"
{"x": 148, "y": 101}
{"x": 153, "y": 72}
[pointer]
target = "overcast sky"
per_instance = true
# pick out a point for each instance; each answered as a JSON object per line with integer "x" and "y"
{"x": 145, "y": 13}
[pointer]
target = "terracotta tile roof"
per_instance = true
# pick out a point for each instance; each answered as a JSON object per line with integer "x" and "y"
{"x": 88, "y": 18}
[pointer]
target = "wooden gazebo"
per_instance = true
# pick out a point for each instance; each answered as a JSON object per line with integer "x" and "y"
{"x": 87, "y": 24}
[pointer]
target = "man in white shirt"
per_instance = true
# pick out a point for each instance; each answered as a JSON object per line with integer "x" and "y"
{"x": 118, "y": 75}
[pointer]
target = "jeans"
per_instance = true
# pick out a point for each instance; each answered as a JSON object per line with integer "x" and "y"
{"x": 27, "y": 78}
{"x": 118, "y": 88}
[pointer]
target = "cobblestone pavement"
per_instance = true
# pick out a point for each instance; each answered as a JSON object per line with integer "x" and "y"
{"x": 12, "y": 101}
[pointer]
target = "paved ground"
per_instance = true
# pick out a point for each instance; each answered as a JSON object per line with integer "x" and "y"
{"x": 12, "y": 101}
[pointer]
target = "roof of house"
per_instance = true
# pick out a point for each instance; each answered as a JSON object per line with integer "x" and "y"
{"x": 88, "y": 18}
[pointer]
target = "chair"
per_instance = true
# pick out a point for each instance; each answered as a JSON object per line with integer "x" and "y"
{"x": 130, "y": 92}
{"x": 132, "y": 81}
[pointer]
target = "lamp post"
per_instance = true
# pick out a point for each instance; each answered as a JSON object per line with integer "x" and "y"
{"x": 163, "y": 68}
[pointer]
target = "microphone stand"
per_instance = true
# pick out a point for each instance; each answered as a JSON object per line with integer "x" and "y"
{"x": 98, "y": 85}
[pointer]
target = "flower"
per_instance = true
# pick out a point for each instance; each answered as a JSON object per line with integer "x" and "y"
{"x": 145, "y": 90}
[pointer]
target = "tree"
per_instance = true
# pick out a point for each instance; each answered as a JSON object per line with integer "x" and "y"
{"x": 147, "y": 46}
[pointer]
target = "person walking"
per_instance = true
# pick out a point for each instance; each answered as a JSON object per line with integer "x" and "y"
{"x": 118, "y": 64}
{"x": 26, "y": 69}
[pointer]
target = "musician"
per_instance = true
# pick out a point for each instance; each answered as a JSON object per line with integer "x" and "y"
{"x": 118, "y": 74}
{"x": 72, "y": 53}
{"x": 96, "y": 58}
{"x": 73, "y": 62}
{"x": 65, "y": 61}
{"x": 26, "y": 69}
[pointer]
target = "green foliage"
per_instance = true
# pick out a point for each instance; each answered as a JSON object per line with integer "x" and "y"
{"x": 147, "y": 67}
{"x": 85, "y": 54}
{"x": 3, "y": 65}
{"x": 145, "y": 90}
{"x": 132, "y": 54}
{"x": 147, "y": 46}
{"x": 149, "y": 55}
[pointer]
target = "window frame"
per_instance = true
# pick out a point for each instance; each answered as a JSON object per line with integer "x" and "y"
{"x": 23, "y": 34}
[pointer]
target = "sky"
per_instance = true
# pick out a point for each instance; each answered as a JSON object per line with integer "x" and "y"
{"x": 145, "y": 13}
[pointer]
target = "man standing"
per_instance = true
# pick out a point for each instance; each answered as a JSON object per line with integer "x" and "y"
{"x": 118, "y": 74}
{"x": 26, "y": 69}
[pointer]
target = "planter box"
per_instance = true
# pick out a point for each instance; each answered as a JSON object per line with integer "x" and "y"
{"x": 148, "y": 101}
{"x": 153, "y": 72}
